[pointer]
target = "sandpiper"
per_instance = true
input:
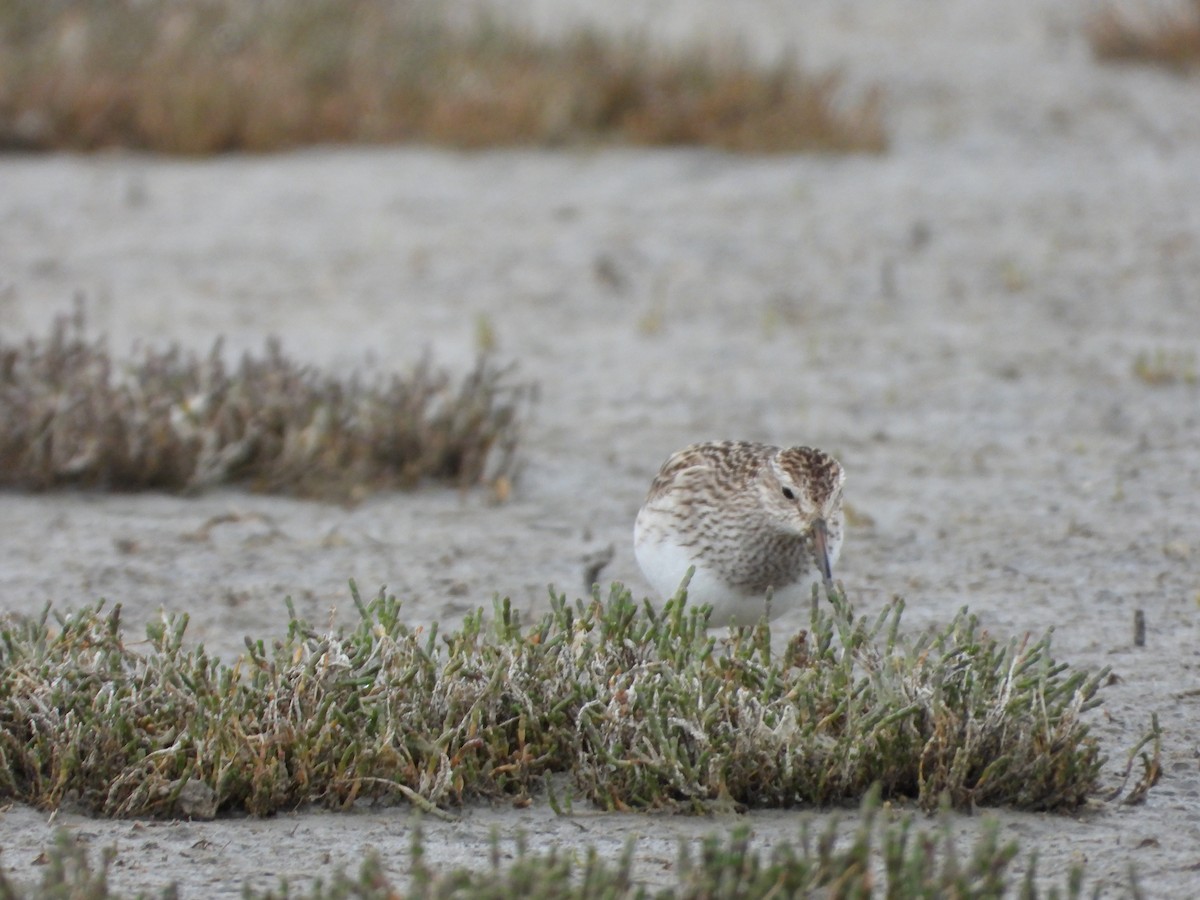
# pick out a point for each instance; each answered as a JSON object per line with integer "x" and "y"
{"x": 756, "y": 522}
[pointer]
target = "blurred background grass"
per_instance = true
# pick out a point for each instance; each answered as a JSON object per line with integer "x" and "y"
{"x": 210, "y": 76}
{"x": 1160, "y": 33}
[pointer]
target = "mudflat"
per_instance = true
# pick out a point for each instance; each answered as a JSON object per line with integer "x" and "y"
{"x": 994, "y": 326}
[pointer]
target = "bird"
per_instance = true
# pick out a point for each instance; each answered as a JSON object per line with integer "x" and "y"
{"x": 760, "y": 526}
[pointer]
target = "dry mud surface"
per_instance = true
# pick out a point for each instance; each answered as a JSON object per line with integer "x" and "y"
{"x": 957, "y": 320}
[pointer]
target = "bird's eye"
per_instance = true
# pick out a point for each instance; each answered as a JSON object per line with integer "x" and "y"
{"x": 789, "y": 493}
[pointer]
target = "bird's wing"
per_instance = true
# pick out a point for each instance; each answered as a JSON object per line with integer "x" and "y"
{"x": 683, "y": 470}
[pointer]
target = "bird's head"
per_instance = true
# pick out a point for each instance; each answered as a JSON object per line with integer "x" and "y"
{"x": 801, "y": 493}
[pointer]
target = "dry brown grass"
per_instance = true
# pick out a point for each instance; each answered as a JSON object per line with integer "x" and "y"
{"x": 71, "y": 416}
{"x": 221, "y": 75}
{"x": 1165, "y": 35}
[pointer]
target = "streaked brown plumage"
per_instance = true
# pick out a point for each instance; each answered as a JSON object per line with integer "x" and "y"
{"x": 751, "y": 518}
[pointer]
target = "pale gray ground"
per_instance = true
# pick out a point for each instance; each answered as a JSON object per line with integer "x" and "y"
{"x": 957, "y": 320}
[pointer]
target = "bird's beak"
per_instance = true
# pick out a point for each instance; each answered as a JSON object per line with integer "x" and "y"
{"x": 820, "y": 544}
